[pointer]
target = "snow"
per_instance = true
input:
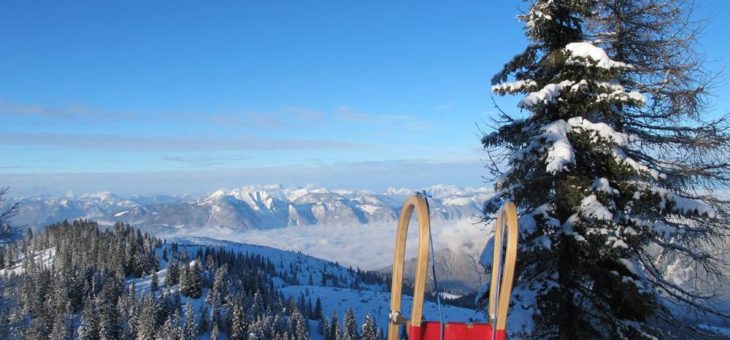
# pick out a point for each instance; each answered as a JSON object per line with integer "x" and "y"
{"x": 602, "y": 185}
{"x": 217, "y": 194}
{"x": 678, "y": 273}
{"x": 371, "y": 300}
{"x": 634, "y": 267}
{"x": 580, "y": 52}
{"x": 602, "y": 130}
{"x": 538, "y": 13}
{"x": 513, "y": 87}
{"x": 445, "y": 295}
{"x": 620, "y": 156}
{"x": 548, "y": 94}
{"x": 451, "y": 201}
{"x": 691, "y": 206}
{"x": 682, "y": 205}
{"x": 377, "y": 304}
{"x": 43, "y": 258}
{"x": 590, "y": 207}
{"x": 560, "y": 153}
{"x": 121, "y": 213}
{"x": 370, "y": 209}
{"x": 722, "y": 331}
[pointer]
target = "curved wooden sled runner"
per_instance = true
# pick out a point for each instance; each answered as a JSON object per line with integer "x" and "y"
{"x": 500, "y": 289}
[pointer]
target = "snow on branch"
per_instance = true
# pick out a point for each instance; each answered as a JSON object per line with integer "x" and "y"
{"x": 514, "y": 87}
{"x": 679, "y": 204}
{"x": 548, "y": 94}
{"x": 587, "y": 54}
{"x": 560, "y": 152}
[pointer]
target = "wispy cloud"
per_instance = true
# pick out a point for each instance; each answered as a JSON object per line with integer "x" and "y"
{"x": 287, "y": 117}
{"x": 447, "y": 106}
{"x": 62, "y": 112}
{"x": 350, "y": 114}
{"x": 197, "y": 161}
{"x": 178, "y": 143}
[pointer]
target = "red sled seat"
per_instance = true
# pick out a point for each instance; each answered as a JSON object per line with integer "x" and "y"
{"x": 431, "y": 330}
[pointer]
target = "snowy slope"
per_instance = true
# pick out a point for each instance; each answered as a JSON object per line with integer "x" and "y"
{"x": 41, "y": 257}
{"x": 377, "y": 304}
{"x": 369, "y": 299}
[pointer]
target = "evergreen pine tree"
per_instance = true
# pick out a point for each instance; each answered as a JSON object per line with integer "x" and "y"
{"x": 323, "y": 326}
{"x": 204, "y": 319}
{"x": 239, "y": 327}
{"x": 171, "y": 328}
{"x": 146, "y": 321}
{"x": 191, "y": 283}
{"x": 334, "y": 332}
{"x": 611, "y": 169}
{"x": 350, "y": 331}
{"x": 62, "y": 325}
{"x": 214, "y": 332}
{"x": 299, "y": 324}
{"x": 109, "y": 326}
{"x": 6, "y": 214}
{"x": 369, "y": 329}
{"x": 88, "y": 329}
{"x": 184, "y": 278}
{"x": 173, "y": 274}
{"x": 154, "y": 282}
{"x": 317, "y": 313}
{"x": 190, "y": 328}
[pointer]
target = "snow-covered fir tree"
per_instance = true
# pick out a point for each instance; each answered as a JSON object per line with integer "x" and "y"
{"x": 299, "y": 325}
{"x": 171, "y": 328}
{"x": 323, "y": 326}
{"x": 204, "y": 319}
{"x": 173, "y": 274}
{"x": 334, "y": 331}
{"x": 349, "y": 331}
{"x": 191, "y": 281}
{"x": 6, "y": 214}
{"x": 214, "y": 332}
{"x": 154, "y": 282}
{"x": 612, "y": 168}
{"x": 190, "y": 328}
{"x": 369, "y": 329}
{"x": 239, "y": 324}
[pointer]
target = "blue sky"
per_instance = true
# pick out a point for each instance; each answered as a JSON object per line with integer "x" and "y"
{"x": 135, "y": 97}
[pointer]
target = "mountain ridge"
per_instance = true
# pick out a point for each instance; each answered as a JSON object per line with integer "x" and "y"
{"x": 248, "y": 207}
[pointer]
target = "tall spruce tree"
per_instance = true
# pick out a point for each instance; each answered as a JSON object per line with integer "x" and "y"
{"x": 239, "y": 324}
{"x": 6, "y": 214}
{"x": 349, "y": 331}
{"x": 190, "y": 327}
{"x": 173, "y": 274}
{"x": 612, "y": 167}
{"x": 369, "y": 329}
{"x": 334, "y": 331}
{"x": 191, "y": 282}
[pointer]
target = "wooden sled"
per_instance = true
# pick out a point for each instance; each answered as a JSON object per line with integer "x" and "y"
{"x": 500, "y": 288}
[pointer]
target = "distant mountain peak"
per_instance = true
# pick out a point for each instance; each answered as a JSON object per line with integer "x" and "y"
{"x": 251, "y": 207}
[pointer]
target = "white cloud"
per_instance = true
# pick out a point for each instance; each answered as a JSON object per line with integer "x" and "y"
{"x": 368, "y": 246}
{"x": 88, "y": 141}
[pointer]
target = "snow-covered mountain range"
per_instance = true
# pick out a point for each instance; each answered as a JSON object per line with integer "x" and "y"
{"x": 248, "y": 208}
